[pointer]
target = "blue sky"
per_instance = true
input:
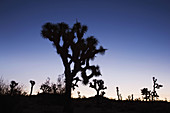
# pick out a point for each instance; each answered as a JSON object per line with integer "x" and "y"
{"x": 135, "y": 32}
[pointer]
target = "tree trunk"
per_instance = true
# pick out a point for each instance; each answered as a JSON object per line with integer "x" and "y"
{"x": 98, "y": 92}
{"x": 11, "y": 92}
{"x": 31, "y": 90}
{"x": 68, "y": 104}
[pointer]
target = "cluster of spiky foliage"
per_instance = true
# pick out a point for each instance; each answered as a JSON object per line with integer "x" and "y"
{"x": 12, "y": 86}
{"x": 146, "y": 93}
{"x": 98, "y": 85}
{"x": 74, "y": 48}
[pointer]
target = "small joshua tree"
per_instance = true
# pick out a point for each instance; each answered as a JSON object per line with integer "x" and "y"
{"x": 32, "y": 85}
{"x": 61, "y": 84}
{"x": 117, "y": 90}
{"x": 45, "y": 86}
{"x": 132, "y": 97}
{"x": 12, "y": 86}
{"x": 78, "y": 92}
{"x": 118, "y": 95}
{"x": 97, "y": 85}
{"x": 146, "y": 93}
{"x": 155, "y": 86}
{"x": 54, "y": 88}
{"x": 102, "y": 93}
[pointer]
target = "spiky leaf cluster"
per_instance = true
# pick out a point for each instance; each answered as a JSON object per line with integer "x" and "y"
{"x": 13, "y": 84}
{"x": 32, "y": 82}
{"x": 73, "y": 48}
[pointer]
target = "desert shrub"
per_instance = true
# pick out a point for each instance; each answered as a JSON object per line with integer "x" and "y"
{"x": 4, "y": 88}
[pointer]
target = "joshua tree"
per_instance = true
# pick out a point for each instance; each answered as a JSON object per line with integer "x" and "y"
{"x": 102, "y": 93}
{"x": 132, "y": 97}
{"x": 118, "y": 95}
{"x": 78, "y": 92}
{"x": 146, "y": 92}
{"x": 45, "y": 87}
{"x": 75, "y": 52}
{"x": 54, "y": 88}
{"x": 12, "y": 86}
{"x": 97, "y": 85}
{"x": 32, "y": 85}
{"x": 155, "y": 86}
{"x": 60, "y": 84}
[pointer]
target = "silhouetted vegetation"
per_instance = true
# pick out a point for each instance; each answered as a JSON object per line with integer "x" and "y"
{"x": 45, "y": 87}
{"x": 102, "y": 93}
{"x": 146, "y": 93}
{"x": 53, "y": 102}
{"x": 76, "y": 53}
{"x": 52, "y": 88}
{"x": 130, "y": 97}
{"x": 4, "y": 88}
{"x": 75, "y": 81}
{"x": 119, "y": 96}
{"x": 74, "y": 50}
{"x": 78, "y": 92}
{"x": 151, "y": 95}
{"x": 32, "y": 85}
{"x": 155, "y": 86}
{"x": 12, "y": 86}
{"x": 98, "y": 85}
{"x": 11, "y": 89}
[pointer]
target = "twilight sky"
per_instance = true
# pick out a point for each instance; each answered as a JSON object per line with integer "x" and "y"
{"x": 135, "y": 32}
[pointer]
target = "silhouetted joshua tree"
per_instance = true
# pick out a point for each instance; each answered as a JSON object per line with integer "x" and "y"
{"x": 119, "y": 97}
{"x": 54, "y": 88}
{"x": 102, "y": 93}
{"x": 155, "y": 86}
{"x": 78, "y": 92}
{"x": 146, "y": 93}
{"x": 75, "y": 52}
{"x": 60, "y": 84}
{"x": 12, "y": 86}
{"x": 46, "y": 87}
{"x": 97, "y": 85}
{"x": 132, "y": 97}
{"x": 32, "y": 85}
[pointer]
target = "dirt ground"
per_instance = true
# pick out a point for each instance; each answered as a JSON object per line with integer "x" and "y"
{"x": 53, "y": 104}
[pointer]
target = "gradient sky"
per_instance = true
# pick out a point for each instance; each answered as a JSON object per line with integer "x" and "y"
{"x": 135, "y": 32}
